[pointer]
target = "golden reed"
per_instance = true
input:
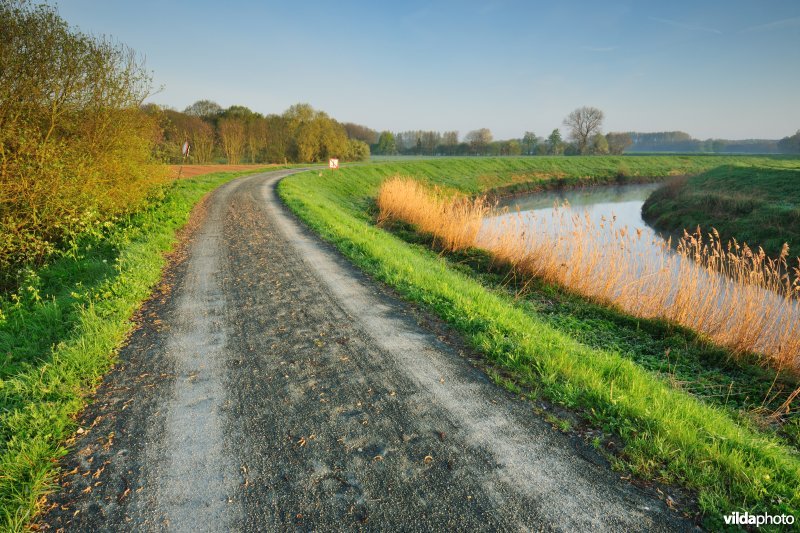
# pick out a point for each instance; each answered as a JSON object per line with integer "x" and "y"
{"x": 738, "y": 298}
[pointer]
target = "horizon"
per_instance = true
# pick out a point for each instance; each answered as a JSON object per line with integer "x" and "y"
{"x": 507, "y": 66}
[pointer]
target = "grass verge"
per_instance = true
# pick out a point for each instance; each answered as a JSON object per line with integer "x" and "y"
{"x": 756, "y": 205}
{"x": 668, "y": 433}
{"x": 59, "y": 334}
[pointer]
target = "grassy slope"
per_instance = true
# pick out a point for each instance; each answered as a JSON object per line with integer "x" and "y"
{"x": 59, "y": 334}
{"x": 668, "y": 433}
{"x": 757, "y": 205}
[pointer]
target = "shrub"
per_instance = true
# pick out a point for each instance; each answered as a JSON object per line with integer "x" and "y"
{"x": 75, "y": 147}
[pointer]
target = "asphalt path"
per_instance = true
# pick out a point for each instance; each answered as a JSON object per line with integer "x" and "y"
{"x": 269, "y": 385}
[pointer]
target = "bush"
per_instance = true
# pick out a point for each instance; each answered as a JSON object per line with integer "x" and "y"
{"x": 75, "y": 147}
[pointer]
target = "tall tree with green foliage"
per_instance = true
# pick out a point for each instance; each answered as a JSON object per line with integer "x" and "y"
{"x": 790, "y": 145}
{"x": 387, "y": 144}
{"x": 555, "y": 146}
{"x": 599, "y": 144}
{"x": 529, "y": 142}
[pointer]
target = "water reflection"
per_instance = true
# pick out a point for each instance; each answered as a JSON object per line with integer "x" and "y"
{"x": 600, "y": 246}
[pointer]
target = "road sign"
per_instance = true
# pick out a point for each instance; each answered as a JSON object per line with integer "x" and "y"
{"x": 185, "y": 149}
{"x": 333, "y": 163}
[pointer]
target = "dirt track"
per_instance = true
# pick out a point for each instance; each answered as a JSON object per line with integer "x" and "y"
{"x": 191, "y": 171}
{"x": 272, "y": 386}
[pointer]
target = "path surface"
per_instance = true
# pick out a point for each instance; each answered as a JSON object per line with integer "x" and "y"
{"x": 272, "y": 386}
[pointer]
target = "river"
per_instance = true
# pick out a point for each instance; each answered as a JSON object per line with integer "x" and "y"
{"x": 596, "y": 242}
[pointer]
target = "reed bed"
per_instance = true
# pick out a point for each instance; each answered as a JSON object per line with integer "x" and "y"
{"x": 737, "y": 297}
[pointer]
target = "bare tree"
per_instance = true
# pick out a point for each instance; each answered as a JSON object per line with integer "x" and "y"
{"x": 583, "y": 123}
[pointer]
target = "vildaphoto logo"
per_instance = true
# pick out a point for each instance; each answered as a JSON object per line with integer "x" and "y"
{"x": 758, "y": 520}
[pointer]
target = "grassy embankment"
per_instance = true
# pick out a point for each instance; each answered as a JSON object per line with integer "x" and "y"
{"x": 59, "y": 334}
{"x": 685, "y": 412}
{"x": 759, "y": 206}
{"x": 746, "y": 307}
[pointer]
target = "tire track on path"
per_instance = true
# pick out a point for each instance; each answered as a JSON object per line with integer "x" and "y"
{"x": 273, "y": 386}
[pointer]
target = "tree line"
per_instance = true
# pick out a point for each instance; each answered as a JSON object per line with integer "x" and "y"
{"x": 679, "y": 141}
{"x": 79, "y": 149}
{"x": 584, "y": 136}
{"x": 237, "y": 135}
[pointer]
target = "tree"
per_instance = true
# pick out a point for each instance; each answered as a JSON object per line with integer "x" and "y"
{"x": 449, "y": 142}
{"x": 279, "y": 137}
{"x": 555, "y": 146}
{"x": 76, "y": 147}
{"x": 583, "y": 123}
{"x": 430, "y": 140}
{"x": 201, "y": 139}
{"x": 790, "y": 145}
{"x": 529, "y": 142}
{"x": 618, "y": 142}
{"x": 356, "y": 150}
{"x": 599, "y": 144}
{"x": 204, "y": 109}
{"x": 387, "y": 144}
{"x": 360, "y": 133}
{"x": 479, "y": 140}
{"x": 510, "y": 147}
{"x": 232, "y": 138}
{"x": 256, "y": 137}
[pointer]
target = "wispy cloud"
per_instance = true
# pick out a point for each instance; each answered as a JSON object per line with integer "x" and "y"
{"x": 685, "y": 26}
{"x": 775, "y": 25}
{"x": 599, "y": 48}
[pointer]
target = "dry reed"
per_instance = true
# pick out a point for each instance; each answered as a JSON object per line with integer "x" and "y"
{"x": 738, "y": 298}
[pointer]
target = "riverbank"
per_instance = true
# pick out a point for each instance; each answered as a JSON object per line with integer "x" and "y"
{"x": 551, "y": 345}
{"x": 757, "y": 205}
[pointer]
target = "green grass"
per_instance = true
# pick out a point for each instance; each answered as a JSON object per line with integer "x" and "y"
{"x": 59, "y": 334}
{"x": 601, "y": 364}
{"x": 759, "y": 205}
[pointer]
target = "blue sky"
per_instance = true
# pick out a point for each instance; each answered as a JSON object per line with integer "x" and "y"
{"x": 712, "y": 68}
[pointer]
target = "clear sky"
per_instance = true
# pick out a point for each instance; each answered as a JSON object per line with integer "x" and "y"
{"x": 723, "y": 68}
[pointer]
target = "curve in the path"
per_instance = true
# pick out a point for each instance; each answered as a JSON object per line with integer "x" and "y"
{"x": 272, "y": 385}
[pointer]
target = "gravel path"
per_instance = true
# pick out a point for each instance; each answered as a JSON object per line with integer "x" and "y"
{"x": 272, "y": 386}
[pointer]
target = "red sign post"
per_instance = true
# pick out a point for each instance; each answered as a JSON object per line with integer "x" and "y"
{"x": 333, "y": 163}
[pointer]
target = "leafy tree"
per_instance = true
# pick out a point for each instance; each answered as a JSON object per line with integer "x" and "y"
{"x": 449, "y": 142}
{"x": 529, "y": 142}
{"x": 255, "y": 137}
{"x": 510, "y": 147}
{"x": 357, "y": 150}
{"x": 201, "y": 139}
{"x": 599, "y": 144}
{"x": 361, "y": 133}
{"x": 479, "y": 140}
{"x": 618, "y": 142}
{"x": 204, "y": 109}
{"x": 555, "y": 146}
{"x": 387, "y": 144}
{"x": 76, "y": 148}
{"x": 790, "y": 145}
{"x": 232, "y": 138}
{"x": 277, "y": 131}
{"x": 583, "y": 123}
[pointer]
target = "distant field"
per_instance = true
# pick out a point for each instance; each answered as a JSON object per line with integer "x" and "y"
{"x": 753, "y": 204}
